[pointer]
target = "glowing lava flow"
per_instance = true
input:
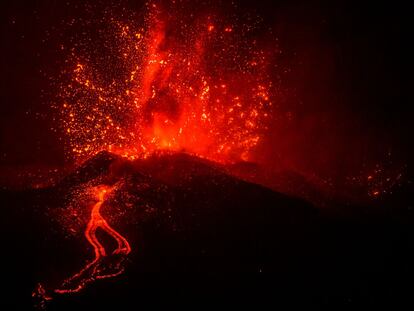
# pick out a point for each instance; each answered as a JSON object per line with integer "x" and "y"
{"x": 93, "y": 270}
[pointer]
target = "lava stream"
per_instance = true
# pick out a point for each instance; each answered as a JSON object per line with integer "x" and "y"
{"x": 94, "y": 270}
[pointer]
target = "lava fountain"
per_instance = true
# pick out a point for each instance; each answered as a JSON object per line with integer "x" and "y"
{"x": 180, "y": 81}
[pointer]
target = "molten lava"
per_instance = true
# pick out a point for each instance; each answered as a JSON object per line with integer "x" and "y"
{"x": 103, "y": 265}
{"x": 197, "y": 83}
{"x": 93, "y": 270}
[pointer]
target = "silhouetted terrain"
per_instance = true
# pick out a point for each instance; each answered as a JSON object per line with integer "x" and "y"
{"x": 200, "y": 236}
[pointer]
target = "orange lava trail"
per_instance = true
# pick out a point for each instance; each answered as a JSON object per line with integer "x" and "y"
{"x": 93, "y": 270}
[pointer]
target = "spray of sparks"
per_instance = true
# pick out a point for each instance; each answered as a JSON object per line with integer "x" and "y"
{"x": 179, "y": 82}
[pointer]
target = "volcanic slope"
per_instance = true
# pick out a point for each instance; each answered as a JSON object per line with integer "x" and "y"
{"x": 196, "y": 234}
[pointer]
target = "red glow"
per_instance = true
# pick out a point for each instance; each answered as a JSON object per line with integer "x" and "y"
{"x": 183, "y": 87}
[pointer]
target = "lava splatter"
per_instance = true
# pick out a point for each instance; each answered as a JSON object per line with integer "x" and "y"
{"x": 197, "y": 83}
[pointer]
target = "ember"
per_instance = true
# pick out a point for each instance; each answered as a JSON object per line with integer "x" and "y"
{"x": 174, "y": 83}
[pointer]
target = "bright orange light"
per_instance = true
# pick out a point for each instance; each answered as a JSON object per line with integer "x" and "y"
{"x": 191, "y": 90}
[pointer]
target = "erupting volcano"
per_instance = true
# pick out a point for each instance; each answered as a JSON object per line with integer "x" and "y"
{"x": 180, "y": 150}
{"x": 194, "y": 83}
